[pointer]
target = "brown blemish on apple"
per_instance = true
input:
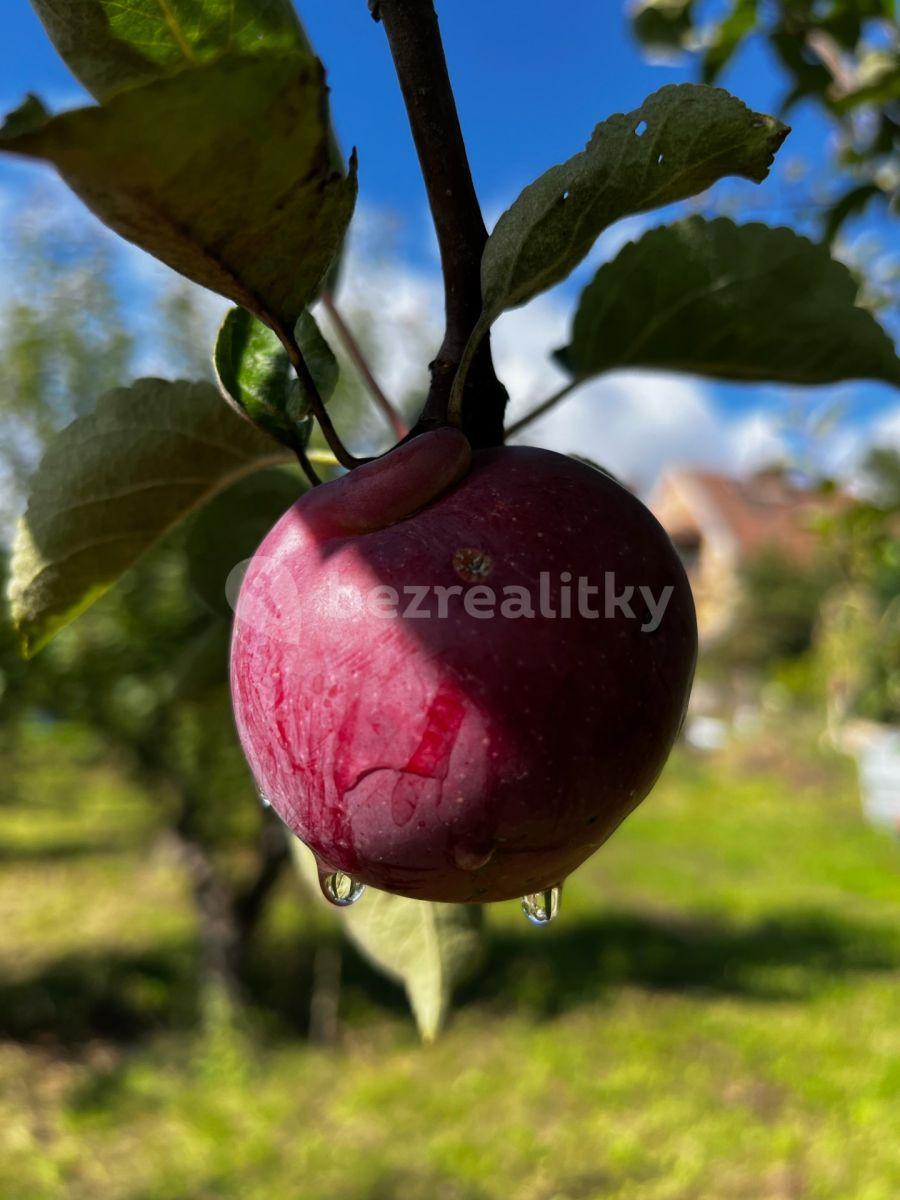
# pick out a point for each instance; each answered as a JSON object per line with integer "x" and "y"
{"x": 472, "y": 565}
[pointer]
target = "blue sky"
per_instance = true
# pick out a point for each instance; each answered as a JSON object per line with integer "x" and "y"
{"x": 530, "y": 89}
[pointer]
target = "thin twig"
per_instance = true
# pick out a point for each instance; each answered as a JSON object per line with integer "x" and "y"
{"x": 544, "y": 407}
{"x": 418, "y": 53}
{"x": 354, "y": 350}
{"x": 308, "y": 469}
{"x": 316, "y": 403}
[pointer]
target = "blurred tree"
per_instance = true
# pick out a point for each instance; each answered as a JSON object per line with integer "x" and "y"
{"x": 777, "y": 613}
{"x": 146, "y": 667}
{"x": 58, "y": 355}
{"x": 859, "y": 641}
{"x": 186, "y": 332}
{"x": 842, "y": 55}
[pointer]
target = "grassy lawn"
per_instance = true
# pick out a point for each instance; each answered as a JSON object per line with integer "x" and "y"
{"x": 716, "y": 1015}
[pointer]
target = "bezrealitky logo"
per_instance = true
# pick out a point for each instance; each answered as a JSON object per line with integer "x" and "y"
{"x": 565, "y": 598}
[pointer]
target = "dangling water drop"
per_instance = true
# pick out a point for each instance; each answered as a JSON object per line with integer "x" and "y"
{"x": 264, "y": 800}
{"x": 541, "y": 907}
{"x": 340, "y": 889}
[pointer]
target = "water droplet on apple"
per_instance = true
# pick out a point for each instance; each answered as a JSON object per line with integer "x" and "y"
{"x": 339, "y": 888}
{"x": 472, "y": 857}
{"x": 541, "y": 907}
{"x": 264, "y": 800}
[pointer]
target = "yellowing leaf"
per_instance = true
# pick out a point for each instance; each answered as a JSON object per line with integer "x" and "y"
{"x": 428, "y": 948}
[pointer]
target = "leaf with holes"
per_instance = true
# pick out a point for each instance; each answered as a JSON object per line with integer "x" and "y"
{"x": 678, "y": 143}
{"x": 223, "y": 172}
{"x": 427, "y": 948}
{"x": 112, "y": 483}
{"x": 742, "y": 302}
{"x": 109, "y": 45}
{"x": 256, "y": 375}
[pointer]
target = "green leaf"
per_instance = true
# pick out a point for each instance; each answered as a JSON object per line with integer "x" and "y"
{"x": 256, "y": 374}
{"x": 112, "y": 483}
{"x": 109, "y": 45}
{"x": 663, "y": 24}
{"x": 678, "y": 143}
{"x": 319, "y": 358}
{"x": 729, "y": 33}
{"x": 228, "y": 530}
{"x": 742, "y": 302}
{"x": 428, "y": 948}
{"x": 223, "y": 172}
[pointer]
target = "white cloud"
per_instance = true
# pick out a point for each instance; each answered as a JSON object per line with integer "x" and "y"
{"x": 635, "y": 424}
{"x": 396, "y": 310}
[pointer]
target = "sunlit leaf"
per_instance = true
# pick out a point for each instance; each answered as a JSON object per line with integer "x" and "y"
{"x": 742, "y": 302}
{"x": 112, "y": 483}
{"x": 257, "y": 377}
{"x": 428, "y": 948}
{"x": 109, "y": 45}
{"x": 224, "y": 172}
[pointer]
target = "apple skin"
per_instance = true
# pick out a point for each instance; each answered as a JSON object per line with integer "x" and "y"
{"x": 458, "y": 759}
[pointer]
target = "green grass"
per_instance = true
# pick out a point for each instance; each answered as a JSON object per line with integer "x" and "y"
{"x": 715, "y": 1015}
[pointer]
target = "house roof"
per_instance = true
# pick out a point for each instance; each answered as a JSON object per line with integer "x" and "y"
{"x": 764, "y": 510}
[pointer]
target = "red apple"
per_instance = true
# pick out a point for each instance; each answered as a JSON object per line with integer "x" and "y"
{"x": 470, "y": 754}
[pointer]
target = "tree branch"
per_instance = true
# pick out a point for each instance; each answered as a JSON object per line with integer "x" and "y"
{"x": 418, "y": 53}
{"x": 352, "y": 346}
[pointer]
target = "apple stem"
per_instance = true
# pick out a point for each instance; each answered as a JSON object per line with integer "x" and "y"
{"x": 414, "y": 39}
{"x": 308, "y": 469}
{"x": 316, "y": 403}
{"x": 355, "y": 352}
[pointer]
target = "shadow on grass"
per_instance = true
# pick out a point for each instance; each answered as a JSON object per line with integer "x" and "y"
{"x": 539, "y": 973}
{"x": 116, "y": 996}
{"x": 66, "y": 850}
{"x": 121, "y": 997}
{"x": 785, "y": 956}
